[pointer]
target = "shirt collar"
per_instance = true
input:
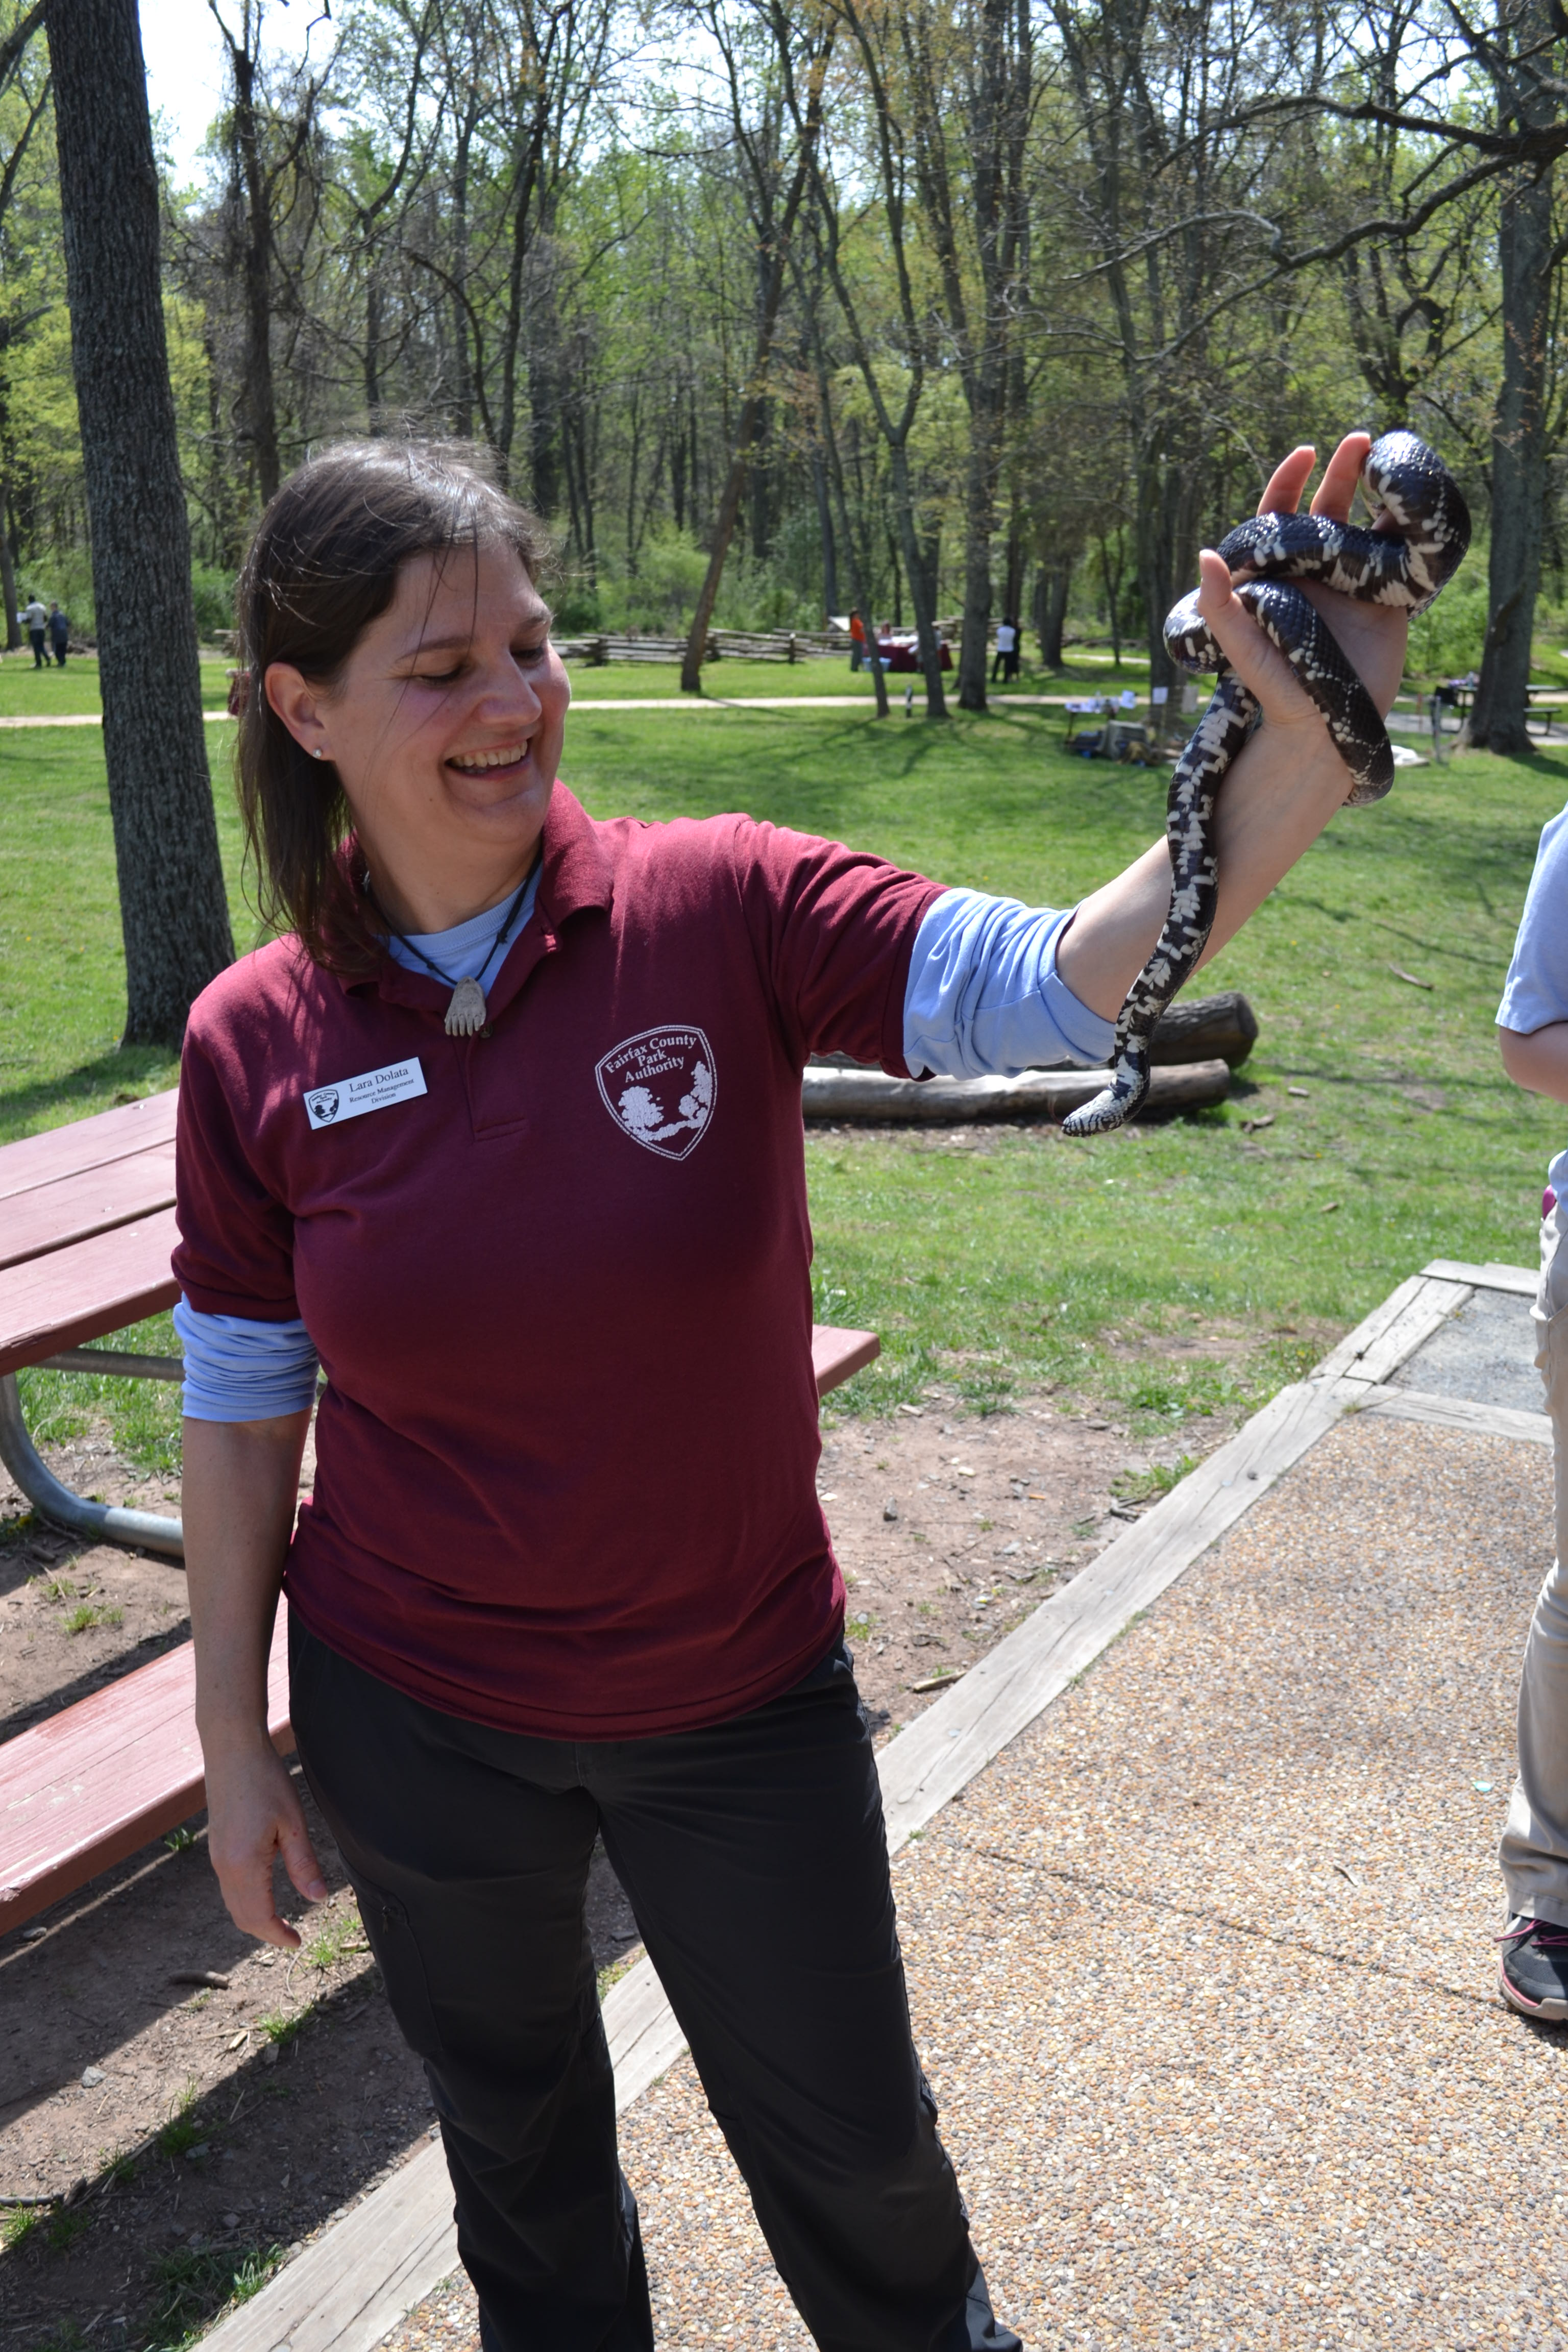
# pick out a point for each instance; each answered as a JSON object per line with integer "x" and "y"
{"x": 576, "y": 873}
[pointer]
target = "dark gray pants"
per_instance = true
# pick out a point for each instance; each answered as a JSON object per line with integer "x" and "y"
{"x": 754, "y": 1855}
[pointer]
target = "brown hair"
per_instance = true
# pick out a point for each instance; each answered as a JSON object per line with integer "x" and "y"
{"x": 323, "y": 566}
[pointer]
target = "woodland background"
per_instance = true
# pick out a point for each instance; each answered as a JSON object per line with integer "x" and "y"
{"x": 1007, "y": 303}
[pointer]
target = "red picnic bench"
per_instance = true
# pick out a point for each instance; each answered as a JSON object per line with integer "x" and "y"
{"x": 87, "y": 1226}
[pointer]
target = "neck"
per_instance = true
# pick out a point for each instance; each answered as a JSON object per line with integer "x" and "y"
{"x": 436, "y": 902}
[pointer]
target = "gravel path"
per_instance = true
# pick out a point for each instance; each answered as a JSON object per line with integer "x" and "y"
{"x": 1201, "y": 1967}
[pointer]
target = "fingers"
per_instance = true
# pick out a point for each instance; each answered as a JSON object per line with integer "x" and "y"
{"x": 255, "y": 1819}
{"x": 248, "y": 1895}
{"x": 1260, "y": 667}
{"x": 1338, "y": 486}
{"x": 1287, "y": 481}
{"x": 300, "y": 1861}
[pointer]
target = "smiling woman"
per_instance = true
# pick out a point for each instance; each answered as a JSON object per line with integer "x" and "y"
{"x": 389, "y": 614}
{"x": 505, "y": 1132}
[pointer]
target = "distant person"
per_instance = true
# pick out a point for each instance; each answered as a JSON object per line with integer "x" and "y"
{"x": 1532, "y": 1032}
{"x": 60, "y": 634}
{"x": 857, "y": 642}
{"x": 34, "y": 618}
{"x": 1441, "y": 698}
{"x": 1005, "y": 662}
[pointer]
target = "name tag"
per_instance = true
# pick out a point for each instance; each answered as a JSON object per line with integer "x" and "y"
{"x": 352, "y": 1098}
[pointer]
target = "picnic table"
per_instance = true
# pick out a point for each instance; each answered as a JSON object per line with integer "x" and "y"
{"x": 88, "y": 1228}
{"x": 903, "y": 654}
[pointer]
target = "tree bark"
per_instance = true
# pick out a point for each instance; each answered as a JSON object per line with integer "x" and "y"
{"x": 752, "y": 410}
{"x": 1519, "y": 488}
{"x": 8, "y": 583}
{"x": 825, "y": 529}
{"x": 1050, "y": 610}
{"x": 173, "y": 905}
{"x": 260, "y": 397}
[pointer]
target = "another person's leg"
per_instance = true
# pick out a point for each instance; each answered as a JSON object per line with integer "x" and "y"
{"x": 1534, "y": 1852}
{"x": 37, "y": 641}
{"x": 468, "y": 1850}
{"x": 755, "y": 1856}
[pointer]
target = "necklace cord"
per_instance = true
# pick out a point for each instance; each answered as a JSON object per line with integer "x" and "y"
{"x": 429, "y": 963}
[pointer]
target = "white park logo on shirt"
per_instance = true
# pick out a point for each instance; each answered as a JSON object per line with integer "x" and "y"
{"x": 660, "y": 1087}
{"x": 352, "y": 1098}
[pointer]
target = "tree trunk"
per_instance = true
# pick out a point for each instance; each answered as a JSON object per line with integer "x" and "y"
{"x": 979, "y": 529}
{"x": 8, "y": 583}
{"x": 1519, "y": 488}
{"x": 752, "y": 411}
{"x": 921, "y": 589}
{"x": 373, "y": 356}
{"x": 854, "y": 548}
{"x": 824, "y": 528}
{"x": 173, "y": 905}
{"x": 260, "y": 399}
{"x": 463, "y": 389}
{"x": 1166, "y": 555}
{"x": 1050, "y": 610}
{"x": 547, "y": 374}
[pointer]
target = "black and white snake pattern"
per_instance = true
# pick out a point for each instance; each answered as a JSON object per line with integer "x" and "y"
{"x": 1424, "y": 530}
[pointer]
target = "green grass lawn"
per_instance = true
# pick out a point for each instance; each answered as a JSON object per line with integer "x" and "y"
{"x": 1172, "y": 1270}
{"x": 732, "y": 679}
{"x": 29, "y": 693}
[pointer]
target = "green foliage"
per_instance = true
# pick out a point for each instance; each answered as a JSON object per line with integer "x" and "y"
{"x": 212, "y": 591}
{"x": 1449, "y": 641}
{"x": 20, "y": 2225}
{"x": 180, "y": 2133}
{"x": 144, "y": 1415}
{"x": 341, "y": 1933}
{"x": 195, "y": 2283}
{"x": 283, "y": 2026}
{"x": 996, "y": 1265}
{"x": 660, "y": 596}
{"x": 85, "y": 1615}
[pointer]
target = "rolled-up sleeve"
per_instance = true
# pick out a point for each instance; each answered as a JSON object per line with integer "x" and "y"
{"x": 985, "y": 998}
{"x": 240, "y": 1370}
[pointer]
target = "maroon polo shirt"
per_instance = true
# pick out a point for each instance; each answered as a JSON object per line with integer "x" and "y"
{"x": 565, "y": 1476}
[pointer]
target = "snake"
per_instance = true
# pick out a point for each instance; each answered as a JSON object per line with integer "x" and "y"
{"x": 1417, "y": 540}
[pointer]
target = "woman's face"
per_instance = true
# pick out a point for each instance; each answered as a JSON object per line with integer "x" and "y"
{"x": 446, "y": 730}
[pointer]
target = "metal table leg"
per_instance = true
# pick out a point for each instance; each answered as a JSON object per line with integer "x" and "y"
{"x": 145, "y": 1530}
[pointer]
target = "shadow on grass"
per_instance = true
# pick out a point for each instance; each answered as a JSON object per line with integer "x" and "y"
{"x": 125, "y": 1073}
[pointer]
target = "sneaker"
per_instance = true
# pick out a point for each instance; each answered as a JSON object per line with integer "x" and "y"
{"x": 1532, "y": 1972}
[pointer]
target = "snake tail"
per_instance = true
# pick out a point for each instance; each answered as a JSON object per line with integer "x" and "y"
{"x": 1194, "y": 886}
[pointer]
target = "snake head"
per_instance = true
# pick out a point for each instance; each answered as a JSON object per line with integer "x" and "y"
{"x": 1189, "y": 640}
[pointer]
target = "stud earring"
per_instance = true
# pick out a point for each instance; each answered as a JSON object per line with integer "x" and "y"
{"x": 317, "y": 753}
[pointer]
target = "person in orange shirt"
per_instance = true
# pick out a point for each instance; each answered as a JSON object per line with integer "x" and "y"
{"x": 857, "y": 640}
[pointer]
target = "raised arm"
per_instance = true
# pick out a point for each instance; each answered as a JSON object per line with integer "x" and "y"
{"x": 1285, "y": 784}
{"x": 240, "y": 1486}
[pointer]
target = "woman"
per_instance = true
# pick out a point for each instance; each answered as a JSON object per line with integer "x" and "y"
{"x": 506, "y": 1132}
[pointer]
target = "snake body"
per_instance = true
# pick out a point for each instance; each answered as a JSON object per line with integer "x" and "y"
{"x": 1423, "y": 531}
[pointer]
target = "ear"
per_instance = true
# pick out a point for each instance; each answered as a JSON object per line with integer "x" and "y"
{"x": 298, "y": 705}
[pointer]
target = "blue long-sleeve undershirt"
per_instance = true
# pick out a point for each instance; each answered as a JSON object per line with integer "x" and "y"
{"x": 983, "y": 998}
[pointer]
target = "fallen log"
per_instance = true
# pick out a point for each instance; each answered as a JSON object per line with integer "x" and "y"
{"x": 1195, "y": 1030}
{"x": 869, "y": 1095}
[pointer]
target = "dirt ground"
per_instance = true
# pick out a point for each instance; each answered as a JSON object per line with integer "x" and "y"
{"x": 209, "y": 2104}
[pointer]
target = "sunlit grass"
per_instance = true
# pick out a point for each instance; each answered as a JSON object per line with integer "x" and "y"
{"x": 1170, "y": 1271}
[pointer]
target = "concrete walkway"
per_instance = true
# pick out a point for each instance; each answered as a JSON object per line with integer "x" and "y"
{"x": 1202, "y": 1964}
{"x": 1201, "y": 1959}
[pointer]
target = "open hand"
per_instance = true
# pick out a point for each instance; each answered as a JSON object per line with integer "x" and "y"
{"x": 1373, "y": 636}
